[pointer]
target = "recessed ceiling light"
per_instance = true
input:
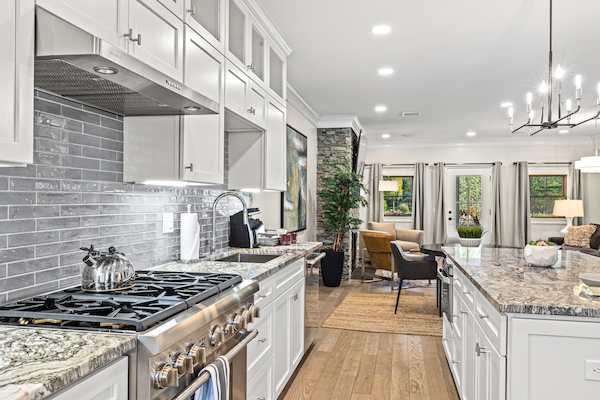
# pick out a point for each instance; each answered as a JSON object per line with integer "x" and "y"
{"x": 506, "y": 105}
{"x": 563, "y": 131}
{"x": 388, "y": 145}
{"x": 385, "y": 136}
{"x": 380, "y": 108}
{"x": 191, "y": 108}
{"x": 471, "y": 133}
{"x": 381, "y": 29}
{"x": 385, "y": 71}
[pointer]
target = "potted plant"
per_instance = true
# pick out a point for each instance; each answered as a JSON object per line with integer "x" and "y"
{"x": 340, "y": 195}
{"x": 541, "y": 253}
{"x": 470, "y": 236}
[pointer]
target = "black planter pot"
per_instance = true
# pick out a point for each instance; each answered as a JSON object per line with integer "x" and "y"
{"x": 332, "y": 267}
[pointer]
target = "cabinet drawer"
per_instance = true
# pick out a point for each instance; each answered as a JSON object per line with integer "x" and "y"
{"x": 447, "y": 338}
{"x": 457, "y": 322}
{"x": 261, "y": 348}
{"x": 457, "y": 281}
{"x": 491, "y": 321}
{"x": 107, "y": 383}
{"x": 261, "y": 385}
{"x": 266, "y": 292}
{"x": 287, "y": 277}
{"x": 468, "y": 293}
{"x": 456, "y": 365}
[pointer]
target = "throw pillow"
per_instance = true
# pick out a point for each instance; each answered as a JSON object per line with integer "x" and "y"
{"x": 387, "y": 227}
{"x": 595, "y": 239}
{"x": 579, "y": 236}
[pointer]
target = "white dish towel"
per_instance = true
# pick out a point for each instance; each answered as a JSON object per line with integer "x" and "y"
{"x": 217, "y": 387}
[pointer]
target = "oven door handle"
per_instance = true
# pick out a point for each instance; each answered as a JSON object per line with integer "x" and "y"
{"x": 205, "y": 376}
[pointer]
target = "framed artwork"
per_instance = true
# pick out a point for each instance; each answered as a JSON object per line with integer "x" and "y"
{"x": 294, "y": 199}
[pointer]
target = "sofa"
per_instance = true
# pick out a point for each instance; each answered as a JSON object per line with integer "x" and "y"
{"x": 594, "y": 248}
{"x": 407, "y": 239}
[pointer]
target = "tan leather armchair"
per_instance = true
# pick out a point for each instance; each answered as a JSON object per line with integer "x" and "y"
{"x": 407, "y": 239}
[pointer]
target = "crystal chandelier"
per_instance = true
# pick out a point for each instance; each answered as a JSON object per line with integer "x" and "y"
{"x": 546, "y": 101}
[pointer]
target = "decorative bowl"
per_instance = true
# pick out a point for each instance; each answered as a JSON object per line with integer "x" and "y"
{"x": 592, "y": 280}
{"x": 470, "y": 242}
{"x": 541, "y": 256}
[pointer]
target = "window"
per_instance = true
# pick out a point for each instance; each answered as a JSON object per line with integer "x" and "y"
{"x": 468, "y": 200}
{"x": 543, "y": 191}
{"x": 398, "y": 204}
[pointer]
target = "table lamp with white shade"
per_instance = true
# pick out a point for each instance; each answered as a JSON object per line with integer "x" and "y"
{"x": 568, "y": 209}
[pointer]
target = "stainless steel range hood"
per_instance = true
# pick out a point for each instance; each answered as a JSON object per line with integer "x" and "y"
{"x": 68, "y": 60}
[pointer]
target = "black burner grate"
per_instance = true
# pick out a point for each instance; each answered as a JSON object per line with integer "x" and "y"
{"x": 156, "y": 296}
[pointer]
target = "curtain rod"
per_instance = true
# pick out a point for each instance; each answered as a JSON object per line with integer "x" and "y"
{"x": 469, "y": 163}
{"x": 394, "y": 165}
{"x": 549, "y": 163}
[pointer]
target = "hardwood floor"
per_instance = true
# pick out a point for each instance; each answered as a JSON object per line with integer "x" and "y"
{"x": 352, "y": 365}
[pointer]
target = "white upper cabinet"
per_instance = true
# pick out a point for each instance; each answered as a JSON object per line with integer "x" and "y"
{"x": 175, "y": 6}
{"x": 236, "y": 90}
{"x": 237, "y": 34}
{"x": 257, "y": 105}
{"x": 277, "y": 74}
{"x": 156, "y": 37}
{"x": 204, "y": 69}
{"x": 107, "y": 19}
{"x": 257, "y": 51}
{"x": 207, "y": 17}
{"x": 16, "y": 97}
{"x": 275, "y": 148}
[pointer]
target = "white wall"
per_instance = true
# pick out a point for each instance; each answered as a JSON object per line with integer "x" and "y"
{"x": 270, "y": 202}
{"x": 506, "y": 155}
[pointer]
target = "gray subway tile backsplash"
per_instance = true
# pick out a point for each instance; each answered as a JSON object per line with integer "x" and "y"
{"x": 74, "y": 195}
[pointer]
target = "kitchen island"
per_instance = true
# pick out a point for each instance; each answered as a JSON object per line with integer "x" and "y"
{"x": 522, "y": 332}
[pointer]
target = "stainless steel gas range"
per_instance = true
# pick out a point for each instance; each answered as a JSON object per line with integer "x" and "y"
{"x": 183, "y": 321}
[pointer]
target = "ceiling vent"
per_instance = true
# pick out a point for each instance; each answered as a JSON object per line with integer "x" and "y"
{"x": 408, "y": 135}
{"x": 410, "y": 114}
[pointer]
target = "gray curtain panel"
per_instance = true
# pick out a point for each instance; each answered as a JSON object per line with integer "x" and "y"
{"x": 522, "y": 215}
{"x": 375, "y": 198}
{"x": 574, "y": 190}
{"x": 496, "y": 228}
{"x": 439, "y": 213}
{"x": 418, "y": 197}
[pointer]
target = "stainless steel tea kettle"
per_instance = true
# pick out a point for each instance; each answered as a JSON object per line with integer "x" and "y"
{"x": 106, "y": 271}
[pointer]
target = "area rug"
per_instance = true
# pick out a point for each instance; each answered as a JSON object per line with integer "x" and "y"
{"x": 417, "y": 315}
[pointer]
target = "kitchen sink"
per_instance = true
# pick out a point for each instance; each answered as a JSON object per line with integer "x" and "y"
{"x": 251, "y": 258}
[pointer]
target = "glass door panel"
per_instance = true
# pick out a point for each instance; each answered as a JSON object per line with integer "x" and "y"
{"x": 237, "y": 31}
{"x": 258, "y": 54}
{"x": 206, "y": 13}
{"x": 276, "y": 66}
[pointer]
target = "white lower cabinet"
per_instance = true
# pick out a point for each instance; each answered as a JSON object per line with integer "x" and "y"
{"x": 477, "y": 366}
{"x": 260, "y": 386}
{"x": 280, "y": 340}
{"x": 107, "y": 383}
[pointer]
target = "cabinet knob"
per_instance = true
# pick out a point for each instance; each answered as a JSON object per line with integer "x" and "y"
{"x": 251, "y": 67}
{"x": 262, "y": 296}
{"x": 262, "y": 340}
{"x": 483, "y": 316}
{"x": 252, "y": 110}
{"x": 138, "y": 40}
{"x": 192, "y": 10}
{"x": 130, "y": 36}
{"x": 190, "y": 167}
{"x": 295, "y": 297}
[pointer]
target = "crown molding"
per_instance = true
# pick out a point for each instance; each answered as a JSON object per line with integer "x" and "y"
{"x": 263, "y": 18}
{"x": 295, "y": 98}
{"x": 340, "y": 121}
{"x": 496, "y": 142}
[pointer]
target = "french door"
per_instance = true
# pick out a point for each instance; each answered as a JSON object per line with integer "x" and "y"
{"x": 468, "y": 199}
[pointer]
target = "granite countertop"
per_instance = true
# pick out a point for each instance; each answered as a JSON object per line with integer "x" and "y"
{"x": 35, "y": 363}
{"x": 512, "y": 286}
{"x": 247, "y": 270}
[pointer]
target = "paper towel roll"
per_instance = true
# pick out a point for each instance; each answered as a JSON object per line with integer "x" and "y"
{"x": 190, "y": 237}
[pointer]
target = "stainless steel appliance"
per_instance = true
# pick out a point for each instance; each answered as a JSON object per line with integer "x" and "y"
{"x": 106, "y": 271}
{"x": 182, "y": 321}
{"x": 81, "y": 66}
{"x": 445, "y": 275}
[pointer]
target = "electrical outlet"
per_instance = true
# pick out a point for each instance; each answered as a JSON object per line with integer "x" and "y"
{"x": 167, "y": 222}
{"x": 592, "y": 370}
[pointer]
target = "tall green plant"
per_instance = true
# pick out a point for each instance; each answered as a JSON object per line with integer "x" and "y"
{"x": 340, "y": 195}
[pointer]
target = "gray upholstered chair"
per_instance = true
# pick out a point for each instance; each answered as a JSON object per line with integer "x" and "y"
{"x": 414, "y": 266}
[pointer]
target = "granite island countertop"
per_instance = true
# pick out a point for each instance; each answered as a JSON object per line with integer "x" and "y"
{"x": 35, "y": 363}
{"x": 247, "y": 270}
{"x": 512, "y": 286}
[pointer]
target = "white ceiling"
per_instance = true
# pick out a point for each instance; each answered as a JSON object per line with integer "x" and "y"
{"x": 454, "y": 61}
